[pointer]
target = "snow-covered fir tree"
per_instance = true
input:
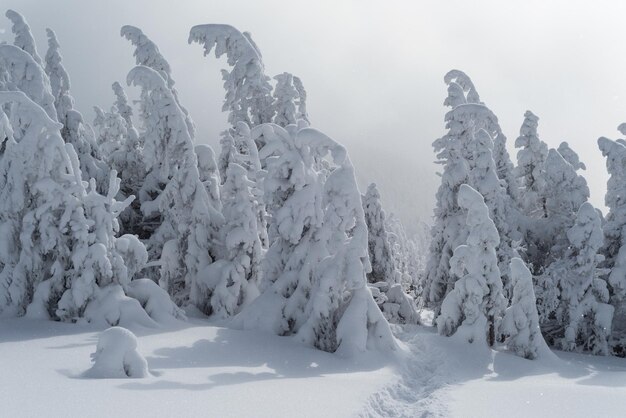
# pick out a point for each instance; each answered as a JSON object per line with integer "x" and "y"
{"x": 314, "y": 284}
{"x": 614, "y": 248}
{"x": 565, "y": 192}
{"x": 520, "y": 324}
{"x": 122, "y": 150}
{"x": 385, "y": 278}
{"x": 172, "y": 196}
{"x": 476, "y": 303}
{"x": 530, "y": 165}
{"x": 248, "y": 90}
{"x": 233, "y": 280}
{"x": 62, "y": 257}
{"x": 466, "y": 152}
{"x": 380, "y": 252}
{"x": 285, "y": 95}
{"x": 302, "y": 113}
{"x": 574, "y": 309}
{"x": 74, "y": 131}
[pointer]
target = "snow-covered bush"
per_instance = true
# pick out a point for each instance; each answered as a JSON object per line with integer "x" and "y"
{"x": 476, "y": 302}
{"x": 117, "y": 356}
{"x": 520, "y": 325}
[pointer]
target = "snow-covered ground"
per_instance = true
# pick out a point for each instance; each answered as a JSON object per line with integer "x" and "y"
{"x": 205, "y": 370}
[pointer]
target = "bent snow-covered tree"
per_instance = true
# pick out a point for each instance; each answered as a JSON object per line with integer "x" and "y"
{"x": 248, "y": 91}
{"x": 172, "y": 195}
{"x": 19, "y": 72}
{"x": 148, "y": 54}
{"x": 476, "y": 303}
{"x": 314, "y": 284}
{"x": 23, "y": 37}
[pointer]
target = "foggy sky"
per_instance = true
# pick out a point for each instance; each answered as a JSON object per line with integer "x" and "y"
{"x": 373, "y": 70}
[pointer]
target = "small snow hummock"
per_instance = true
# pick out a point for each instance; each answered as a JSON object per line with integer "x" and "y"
{"x": 116, "y": 356}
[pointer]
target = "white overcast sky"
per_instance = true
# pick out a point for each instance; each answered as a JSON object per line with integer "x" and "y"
{"x": 374, "y": 70}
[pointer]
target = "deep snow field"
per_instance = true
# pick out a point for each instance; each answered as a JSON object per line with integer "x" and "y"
{"x": 200, "y": 369}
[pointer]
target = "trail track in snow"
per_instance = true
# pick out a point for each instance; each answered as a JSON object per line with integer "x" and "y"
{"x": 424, "y": 373}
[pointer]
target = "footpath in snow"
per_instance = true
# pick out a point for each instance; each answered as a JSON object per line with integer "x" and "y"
{"x": 442, "y": 378}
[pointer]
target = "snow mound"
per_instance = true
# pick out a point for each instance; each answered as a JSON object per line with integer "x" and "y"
{"x": 116, "y": 356}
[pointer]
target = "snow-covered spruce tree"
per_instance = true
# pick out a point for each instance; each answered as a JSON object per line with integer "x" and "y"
{"x": 314, "y": 283}
{"x": 172, "y": 195}
{"x": 148, "y": 54}
{"x": 239, "y": 147}
{"x": 34, "y": 156}
{"x": 23, "y": 37}
{"x": 74, "y": 131}
{"x": 397, "y": 306}
{"x": 530, "y": 164}
{"x": 476, "y": 303}
{"x": 580, "y": 318}
{"x": 383, "y": 269}
{"x": 232, "y": 281}
{"x": 62, "y": 259}
{"x": 614, "y": 248}
{"x": 483, "y": 175}
{"x": 520, "y": 325}
{"x": 248, "y": 91}
{"x": 466, "y": 160}
{"x": 405, "y": 256}
{"x": 289, "y": 100}
{"x": 565, "y": 192}
{"x": 129, "y": 163}
{"x": 547, "y": 239}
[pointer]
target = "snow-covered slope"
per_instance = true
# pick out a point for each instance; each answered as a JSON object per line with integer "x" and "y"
{"x": 205, "y": 370}
{"x": 198, "y": 370}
